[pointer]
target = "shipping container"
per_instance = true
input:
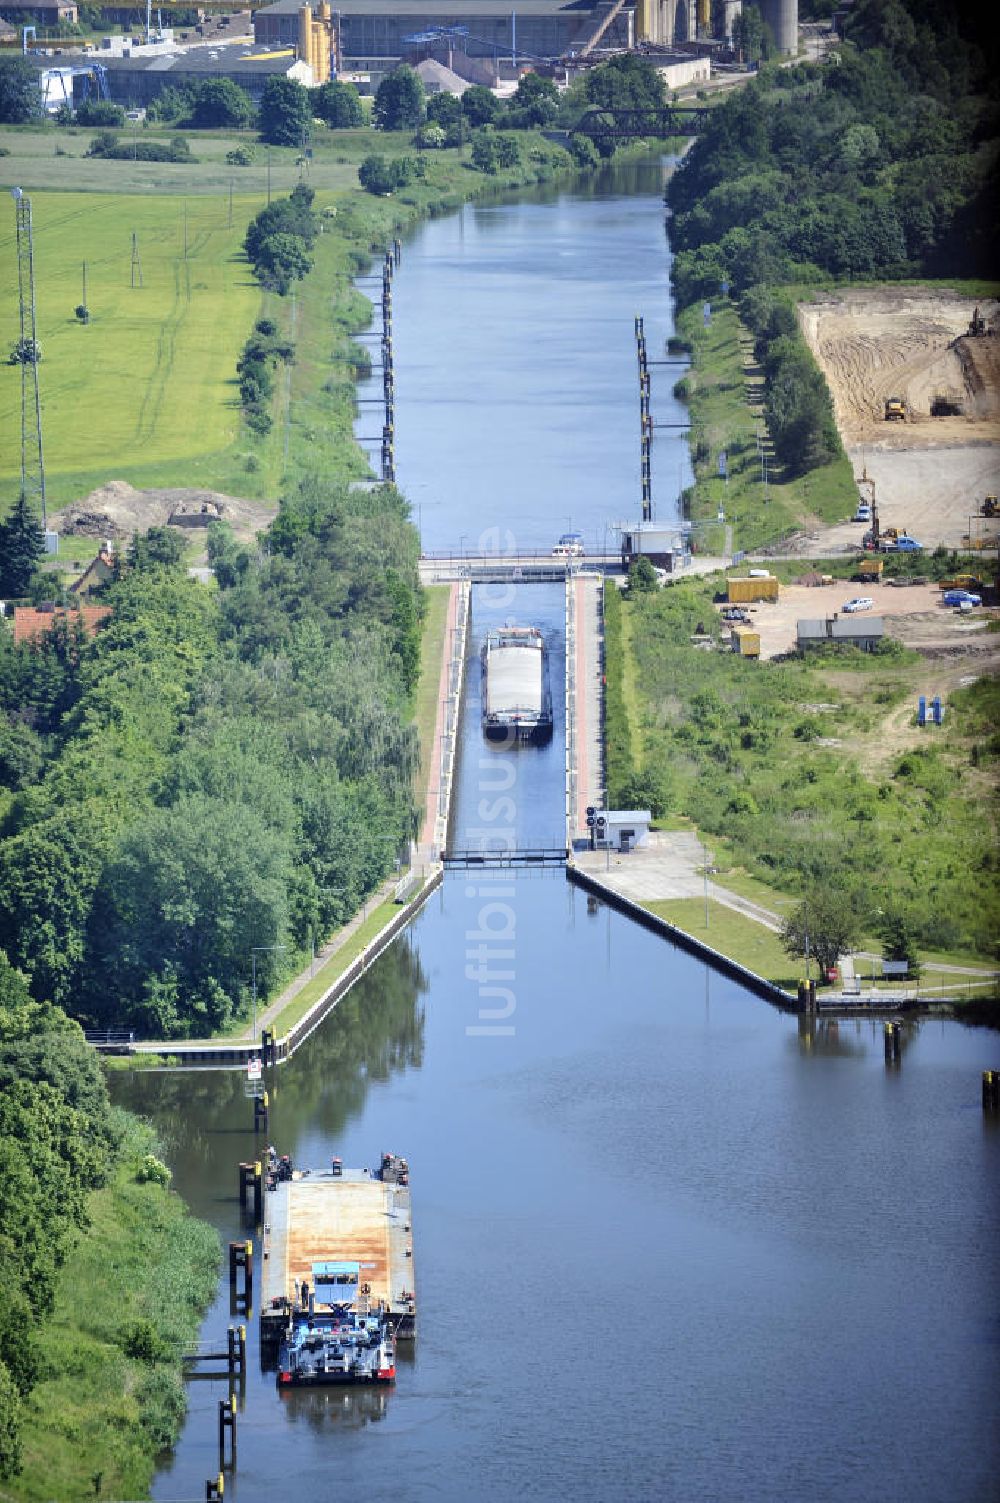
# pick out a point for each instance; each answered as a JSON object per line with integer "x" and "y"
{"x": 745, "y": 642}
{"x": 743, "y": 590}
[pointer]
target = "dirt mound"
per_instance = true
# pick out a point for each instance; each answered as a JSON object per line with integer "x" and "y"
{"x": 117, "y": 510}
{"x": 912, "y": 343}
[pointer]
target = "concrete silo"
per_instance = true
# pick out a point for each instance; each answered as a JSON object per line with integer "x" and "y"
{"x": 782, "y": 16}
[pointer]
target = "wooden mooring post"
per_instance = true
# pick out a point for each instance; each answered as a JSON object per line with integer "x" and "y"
{"x": 241, "y": 1261}
{"x": 236, "y": 1354}
{"x": 268, "y": 1047}
{"x": 260, "y": 1113}
{"x": 227, "y": 1425}
{"x": 251, "y": 1183}
{"x": 893, "y": 1043}
{"x": 215, "y": 1489}
{"x": 991, "y": 1090}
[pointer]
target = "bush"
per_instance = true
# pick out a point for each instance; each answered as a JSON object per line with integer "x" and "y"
{"x": 382, "y": 176}
{"x": 143, "y": 1342}
{"x": 152, "y": 1171}
{"x": 100, "y": 112}
{"x": 162, "y": 1403}
{"x": 583, "y": 150}
{"x": 241, "y": 156}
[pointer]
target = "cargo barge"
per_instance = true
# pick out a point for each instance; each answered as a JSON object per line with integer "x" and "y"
{"x": 337, "y": 1286}
{"x": 517, "y": 703}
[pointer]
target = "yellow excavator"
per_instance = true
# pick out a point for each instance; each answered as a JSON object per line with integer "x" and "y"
{"x": 895, "y": 410}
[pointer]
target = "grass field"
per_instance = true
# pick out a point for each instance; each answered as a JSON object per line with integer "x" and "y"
{"x": 146, "y": 392}
{"x": 426, "y": 698}
{"x": 722, "y": 420}
{"x": 147, "y": 388}
{"x": 743, "y": 940}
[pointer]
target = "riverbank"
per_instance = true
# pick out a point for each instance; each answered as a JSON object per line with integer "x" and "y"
{"x": 786, "y": 770}
{"x": 112, "y": 1398}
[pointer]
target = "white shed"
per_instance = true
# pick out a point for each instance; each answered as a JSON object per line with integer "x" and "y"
{"x": 622, "y": 829}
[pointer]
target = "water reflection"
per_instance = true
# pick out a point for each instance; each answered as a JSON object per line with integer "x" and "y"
{"x": 324, "y": 1409}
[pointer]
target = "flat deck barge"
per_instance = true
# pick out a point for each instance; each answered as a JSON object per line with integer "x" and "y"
{"x": 343, "y": 1216}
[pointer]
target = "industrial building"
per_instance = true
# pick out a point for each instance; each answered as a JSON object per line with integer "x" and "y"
{"x": 135, "y": 78}
{"x": 665, "y": 23}
{"x": 374, "y": 32}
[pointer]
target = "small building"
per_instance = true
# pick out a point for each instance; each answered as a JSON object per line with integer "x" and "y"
{"x": 30, "y": 622}
{"x": 663, "y": 546}
{"x": 9, "y": 35}
{"x": 45, "y": 14}
{"x": 98, "y": 572}
{"x": 865, "y": 632}
{"x": 622, "y": 829}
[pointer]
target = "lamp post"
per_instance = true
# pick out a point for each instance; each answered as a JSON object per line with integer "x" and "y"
{"x": 258, "y": 950}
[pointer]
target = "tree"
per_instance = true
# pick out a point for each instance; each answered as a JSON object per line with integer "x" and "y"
{"x": 160, "y": 546}
{"x": 444, "y": 109}
{"x": 642, "y": 576}
{"x": 480, "y": 107}
{"x": 825, "y": 924}
{"x": 627, "y": 82}
{"x": 899, "y": 941}
{"x": 749, "y": 36}
{"x": 339, "y": 104}
{"x": 221, "y": 102}
{"x": 283, "y": 259}
{"x": 535, "y": 101}
{"x": 485, "y": 156}
{"x": 22, "y": 544}
{"x": 399, "y": 102}
{"x": 10, "y": 1425}
{"x": 20, "y": 94}
{"x": 285, "y": 112}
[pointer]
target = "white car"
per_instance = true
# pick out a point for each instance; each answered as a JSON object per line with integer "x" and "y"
{"x": 859, "y": 603}
{"x": 863, "y": 513}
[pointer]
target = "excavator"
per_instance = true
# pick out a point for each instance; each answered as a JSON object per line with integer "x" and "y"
{"x": 990, "y": 507}
{"x": 977, "y": 325}
{"x": 895, "y": 410}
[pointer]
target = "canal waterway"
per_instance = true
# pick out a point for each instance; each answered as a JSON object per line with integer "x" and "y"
{"x": 669, "y": 1243}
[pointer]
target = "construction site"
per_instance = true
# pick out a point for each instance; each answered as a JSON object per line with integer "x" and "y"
{"x": 914, "y": 374}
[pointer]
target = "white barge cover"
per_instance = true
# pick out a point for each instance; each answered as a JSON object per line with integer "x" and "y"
{"x": 514, "y": 681}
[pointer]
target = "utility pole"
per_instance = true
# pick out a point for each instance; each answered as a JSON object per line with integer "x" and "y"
{"x": 32, "y": 457}
{"x": 230, "y": 203}
{"x": 136, "y": 263}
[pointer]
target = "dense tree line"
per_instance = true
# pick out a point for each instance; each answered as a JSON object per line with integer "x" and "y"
{"x": 58, "y": 1138}
{"x": 215, "y": 772}
{"x": 880, "y": 163}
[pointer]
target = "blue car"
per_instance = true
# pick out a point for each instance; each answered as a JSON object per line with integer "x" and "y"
{"x": 961, "y": 597}
{"x": 908, "y": 545}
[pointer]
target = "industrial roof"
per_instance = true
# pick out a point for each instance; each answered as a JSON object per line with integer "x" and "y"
{"x": 474, "y": 10}
{"x": 222, "y": 59}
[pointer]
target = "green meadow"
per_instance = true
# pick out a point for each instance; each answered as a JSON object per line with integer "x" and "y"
{"x": 146, "y": 390}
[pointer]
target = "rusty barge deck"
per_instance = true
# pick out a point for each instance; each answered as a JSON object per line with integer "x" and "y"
{"x": 319, "y": 1217}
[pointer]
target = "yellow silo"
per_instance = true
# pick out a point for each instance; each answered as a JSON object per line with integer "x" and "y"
{"x": 304, "y": 48}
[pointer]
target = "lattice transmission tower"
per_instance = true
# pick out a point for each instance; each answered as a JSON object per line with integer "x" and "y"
{"x": 32, "y": 455}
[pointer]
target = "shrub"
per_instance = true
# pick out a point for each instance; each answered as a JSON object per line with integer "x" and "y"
{"x": 153, "y": 1171}
{"x": 100, "y": 112}
{"x": 241, "y": 156}
{"x": 143, "y": 1342}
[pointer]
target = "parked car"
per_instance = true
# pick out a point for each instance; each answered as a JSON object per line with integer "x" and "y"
{"x": 735, "y": 613}
{"x": 908, "y": 545}
{"x": 961, "y": 597}
{"x": 859, "y": 603}
{"x": 863, "y": 513}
